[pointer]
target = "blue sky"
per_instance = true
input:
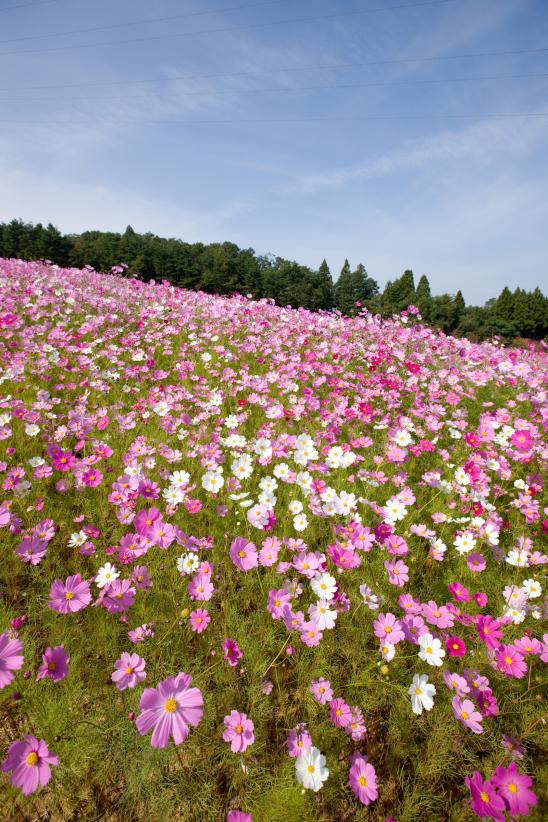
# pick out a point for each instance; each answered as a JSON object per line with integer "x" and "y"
{"x": 464, "y": 201}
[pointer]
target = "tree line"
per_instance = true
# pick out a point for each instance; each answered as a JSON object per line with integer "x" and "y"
{"x": 224, "y": 268}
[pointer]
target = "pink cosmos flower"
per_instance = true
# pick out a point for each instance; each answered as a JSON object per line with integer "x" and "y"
{"x": 310, "y": 634}
{"x": 119, "y": 596}
{"x": 170, "y": 709}
{"x": 239, "y": 731}
{"x": 515, "y": 789}
{"x": 129, "y": 671}
{"x": 510, "y": 661}
{"x": 321, "y": 690}
{"x": 455, "y": 646}
{"x": 32, "y": 550}
{"x": 11, "y": 658}
{"x": 238, "y": 816}
{"x": 484, "y": 799}
{"x": 232, "y": 653}
{"x": 29, "y": 762}
{"x": 201, "y": 588}
{"x": 437, "y": 615}
{"x": 145, "y": 520}
{"x": 521, "y": 439}
{"x": 69, "y": 596}
{"x": 268, "y": 555}
{"x": 476, "y": 562}
{"x": 398, "y": 572}
{"x": 297, "y": 740}
{"x": 278, "y": 598}
{"x": 199, "y": 620}
{"x": 388, "y": 629}
{"x": 339, "y": 713}
{"x": 456, "y": 683}
{"x": 356, "y": 727}
{"x": 141, "y": 578}
{"x": 362, "y": 779}
{"x": 243, "y": 554}
{"x": 54, "y": 664}
{"x": 465, "y": 711}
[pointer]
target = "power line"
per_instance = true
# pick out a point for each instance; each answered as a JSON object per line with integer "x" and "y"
{"x": 284, "y": 120}
{"x": 251, "y": 73}
{"x": 137, "y": 22}
{"x": 26, "y": 5}
{"x": 155, "y": 95}
{"x": 247, "y": 27}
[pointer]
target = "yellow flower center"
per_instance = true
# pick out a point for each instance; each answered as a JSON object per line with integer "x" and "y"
{"x": 241, "y": 554}
{"x": 310, "y": 769}
{"x": 464, "y": 715}
{"x": 418, "y": 691}
{"x": 362, "y": 781}
{"x": 69, "y": 595}
{"x": 32, "y": 758}
{"x": 170, "y": 705}
{"x": 239, "y": 729}
{"x": 508, "y": 660}
{"x": 484, "y": 797}
{"x": 129, "y": 669}
{"x": 512, "y": 788}
{"x": 51, "y": 666}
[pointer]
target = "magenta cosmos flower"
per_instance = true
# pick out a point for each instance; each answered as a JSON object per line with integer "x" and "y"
{"x": 243, "y": 554}
{"x": 362, "y": 778}
{"x": 239, "y": 731}
{"x": 54, "y": 664}
{"x": 339, "y": 713}
{"x": 69, "y": 596}
{"x": 170, "y": 709}
{"x": 484, "y": 799}
{"x": 455, "y": 646}
{"x": 129, "y": 671}
{"x": 119, "y": 596}
{"x": 29, "y": 763}
{"x": 231, "y": 651}
{"x": 515, "y": 789}
{"x": 11, "y": 658}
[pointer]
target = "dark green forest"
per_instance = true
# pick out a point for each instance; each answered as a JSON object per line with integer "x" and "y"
{"x": 224, "y": 268}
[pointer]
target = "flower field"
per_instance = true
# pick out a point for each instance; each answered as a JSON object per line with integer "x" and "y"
{"x": 262, "y": 563}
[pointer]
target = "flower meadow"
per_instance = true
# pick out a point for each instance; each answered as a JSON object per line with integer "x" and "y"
{"x": 264, "y": 564}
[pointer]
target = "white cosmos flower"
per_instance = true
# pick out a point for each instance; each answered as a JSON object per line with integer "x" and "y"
{"x": 213, "y": 481}
{"x": 295, "y": 507}
{"x": 518, "y": 557}
{"x": 242, "y": 467}
{"x": 300, "y": 522}
{"x": 179, "y": 478}
{"x": 32, "y": 430}
{"x": 187, "y": 563}
{"x": 324, "y": 586}
{"x": 431, "y": 650}
{"x": 281, "y": 470}
{"x": 106, "y": 574}
{"x": 322, "y": 615}
{"x": 532, "y": 588}
{"x": 310, "y": 769}
{"x": 464, "y": 543}
{"x": 422, "y": 694}
{"x": 77, "y": 539}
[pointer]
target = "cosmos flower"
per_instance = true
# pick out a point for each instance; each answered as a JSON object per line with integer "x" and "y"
{"x": 129, "y": 671}
{"x": 238, "y": 731}
{"x": 54, "y": 664}
{"x": 29, "y": 763}
{"x": 170, "y": 710}
{"x": 11, "y": 658}
{"x": 69, "y": 596}
{"x": 310, "y": 769}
